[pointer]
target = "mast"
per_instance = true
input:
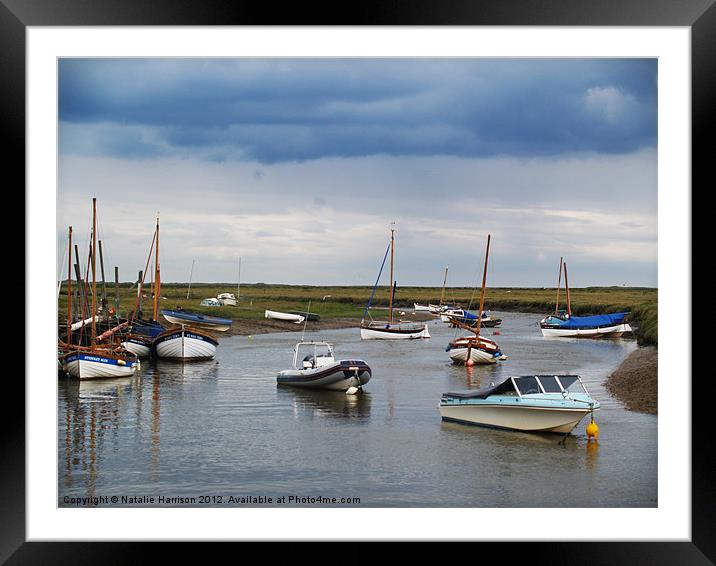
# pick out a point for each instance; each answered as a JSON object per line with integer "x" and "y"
{"x": 94, "y": 269}
{"x": 69, "y": 290}
{"x": 559, "y": 283}
{"x": 157, "y": 284}
{"x": 104, "y": 286}
{"x": 238, "y": 288}
{"x": 116, "y": 290}
{"x": 191, "y": 274}
{"x": 482, "y": 292}
{"x": 442, "y": 293}
{"x": 566, "y": 286}
{"x": 392, "y": 254}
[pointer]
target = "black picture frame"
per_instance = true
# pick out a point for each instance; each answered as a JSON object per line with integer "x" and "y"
{"x": 17, "y": 15}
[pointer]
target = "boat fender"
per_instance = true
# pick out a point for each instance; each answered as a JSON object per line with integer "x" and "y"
{"x": 352, "y": 390}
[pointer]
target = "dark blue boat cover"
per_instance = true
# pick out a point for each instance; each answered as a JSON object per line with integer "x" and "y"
{"x": 593, "y": 321}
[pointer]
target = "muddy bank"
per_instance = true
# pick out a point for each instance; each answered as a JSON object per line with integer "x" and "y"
{"x": 635, "y": 381}
{"x": 265, "y": 326}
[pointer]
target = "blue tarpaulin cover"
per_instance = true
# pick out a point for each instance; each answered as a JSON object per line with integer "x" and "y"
{"x": 590, "y": 321}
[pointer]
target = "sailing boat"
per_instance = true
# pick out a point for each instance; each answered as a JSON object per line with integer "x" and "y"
{"x": 183, "y": 341}
{"x": 562, "y": 324}
{"x": 475, "y": 349}
{"x": 96, "y": 360}
{"x": 390, "y": 330}
{"x": 142, "y": 332}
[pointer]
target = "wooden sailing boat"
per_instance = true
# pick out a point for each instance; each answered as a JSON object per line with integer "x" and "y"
{"x": 390, "y": 330}
{"x": 96, "y": 360}
{"x": 562, "y": 324}
{"x": 181, "y": 342}
{"x": 475, "y": 349}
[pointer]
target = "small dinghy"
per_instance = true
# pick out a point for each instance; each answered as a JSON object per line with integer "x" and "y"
{"x": 276, "y": 315}
{"x": 532, "y": 403}
{"x": 318, "y": 369}
{"x": 479, "y": 349}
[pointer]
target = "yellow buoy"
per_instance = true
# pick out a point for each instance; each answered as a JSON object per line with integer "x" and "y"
{"x": 592, "y": 429}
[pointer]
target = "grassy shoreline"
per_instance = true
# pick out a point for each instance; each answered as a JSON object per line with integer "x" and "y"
{"x": 348, "y": 302}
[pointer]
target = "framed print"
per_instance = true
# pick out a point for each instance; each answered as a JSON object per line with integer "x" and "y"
{"x": 296, "y": 258}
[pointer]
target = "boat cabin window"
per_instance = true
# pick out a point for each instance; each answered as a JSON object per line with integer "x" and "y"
{"x": 527, "y": 385}
{"x": 549, "y": 384}
{"x": 571, "y": 383}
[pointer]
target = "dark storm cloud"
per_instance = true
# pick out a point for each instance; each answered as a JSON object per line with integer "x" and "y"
{"x": 295, "y": 110}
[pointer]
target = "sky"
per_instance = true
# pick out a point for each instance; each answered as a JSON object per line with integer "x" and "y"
{"x": 299, "y": 167}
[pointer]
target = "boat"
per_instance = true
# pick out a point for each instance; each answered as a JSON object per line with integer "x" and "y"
{"x": 470, "y": 318}
{"x": 297, "y": 318}
{"x": 309, "y": 316}
{"x": 97, "y": 360}
{"x": 142, "y": 332}
{"x": 320, "y": 370}
{"x": 531, "y": 403}
{"x": 561, "y": 323}
{"x": 185, "y": 343}
{"x": 227, "y": 299}
{"x": 212, "y": 302}
{"x": 197, "y": 320}
{"x": 421, "y": 308}
{"x": 390, "y": 330}
{"x": 474, "y": 349}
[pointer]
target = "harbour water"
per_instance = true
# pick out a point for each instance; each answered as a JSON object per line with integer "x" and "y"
{"x": 223, "y": 429}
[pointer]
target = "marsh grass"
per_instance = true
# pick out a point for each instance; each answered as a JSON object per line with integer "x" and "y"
{"x": 339, "y": 301}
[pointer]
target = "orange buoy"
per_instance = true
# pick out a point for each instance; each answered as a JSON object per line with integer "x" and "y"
{"x": 469, "y": 362}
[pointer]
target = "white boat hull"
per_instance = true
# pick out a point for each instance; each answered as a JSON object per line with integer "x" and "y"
{"x": 378, "y": 333}
{"x": 230, "y": 302}
{"x": 184, "y": 344}
{"x": 297, "y": 318}
{"x": 84, "y": 365}
{"x": 139, "y": 348}
{"x": 606, "y": 332}
{"x": 528, "y": 419}
{"x": 421, "y": 308}
{"x": 478, "y": 356}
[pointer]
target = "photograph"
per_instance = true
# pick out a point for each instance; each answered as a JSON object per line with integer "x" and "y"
{"x": 345, "y": 282}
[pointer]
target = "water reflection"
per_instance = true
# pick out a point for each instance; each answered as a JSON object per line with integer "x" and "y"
{"x": 322, "y": 404}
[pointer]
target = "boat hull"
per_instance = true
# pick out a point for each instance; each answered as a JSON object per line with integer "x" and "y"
{"x": 140, "y": 346}
{"x": 478, "y": 356}
{"x": 297, "y": 318}
{"x": 184, "y": 344}
{"x": 421, "y": 308}
{"x": 614, "y": 331}
{"x": 338, "y": 376}
{"x": 88, "y": 365}
{"x": 526, "y": 419}
{"x": 199, "y": 321}
{"x": 393, "y": 333}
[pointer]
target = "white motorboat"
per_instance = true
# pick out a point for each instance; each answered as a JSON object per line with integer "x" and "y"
{"x": 320, "y": 370}
{"x": 421, "y": 308}
{"x": 185, "y": 343}
{"x": 296, "y": 318}
{"x": 532, "y": 403}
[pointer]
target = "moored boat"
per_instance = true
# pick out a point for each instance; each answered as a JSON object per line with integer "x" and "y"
{"x": 320, "y": 370}
{"x": 561, "y": 323}
{"x": 276, "y": 315}
{"x": 533, "y": 403}
{"x": 197, "y": 320}
{"x": 96, "y": 363}
{"x": 185, "y": 343}
{"x": 390, "y": 330}
{"x": 227, "y": 299}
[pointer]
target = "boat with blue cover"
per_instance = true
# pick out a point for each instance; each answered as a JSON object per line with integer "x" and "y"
{"x": 197, "y": 320}
{"x": 561, "y": 323}
{"x": 531, "y": 403}
{"x": 319, "y": 369}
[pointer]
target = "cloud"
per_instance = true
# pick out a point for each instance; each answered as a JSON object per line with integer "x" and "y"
{"x": 275, "y": 110}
